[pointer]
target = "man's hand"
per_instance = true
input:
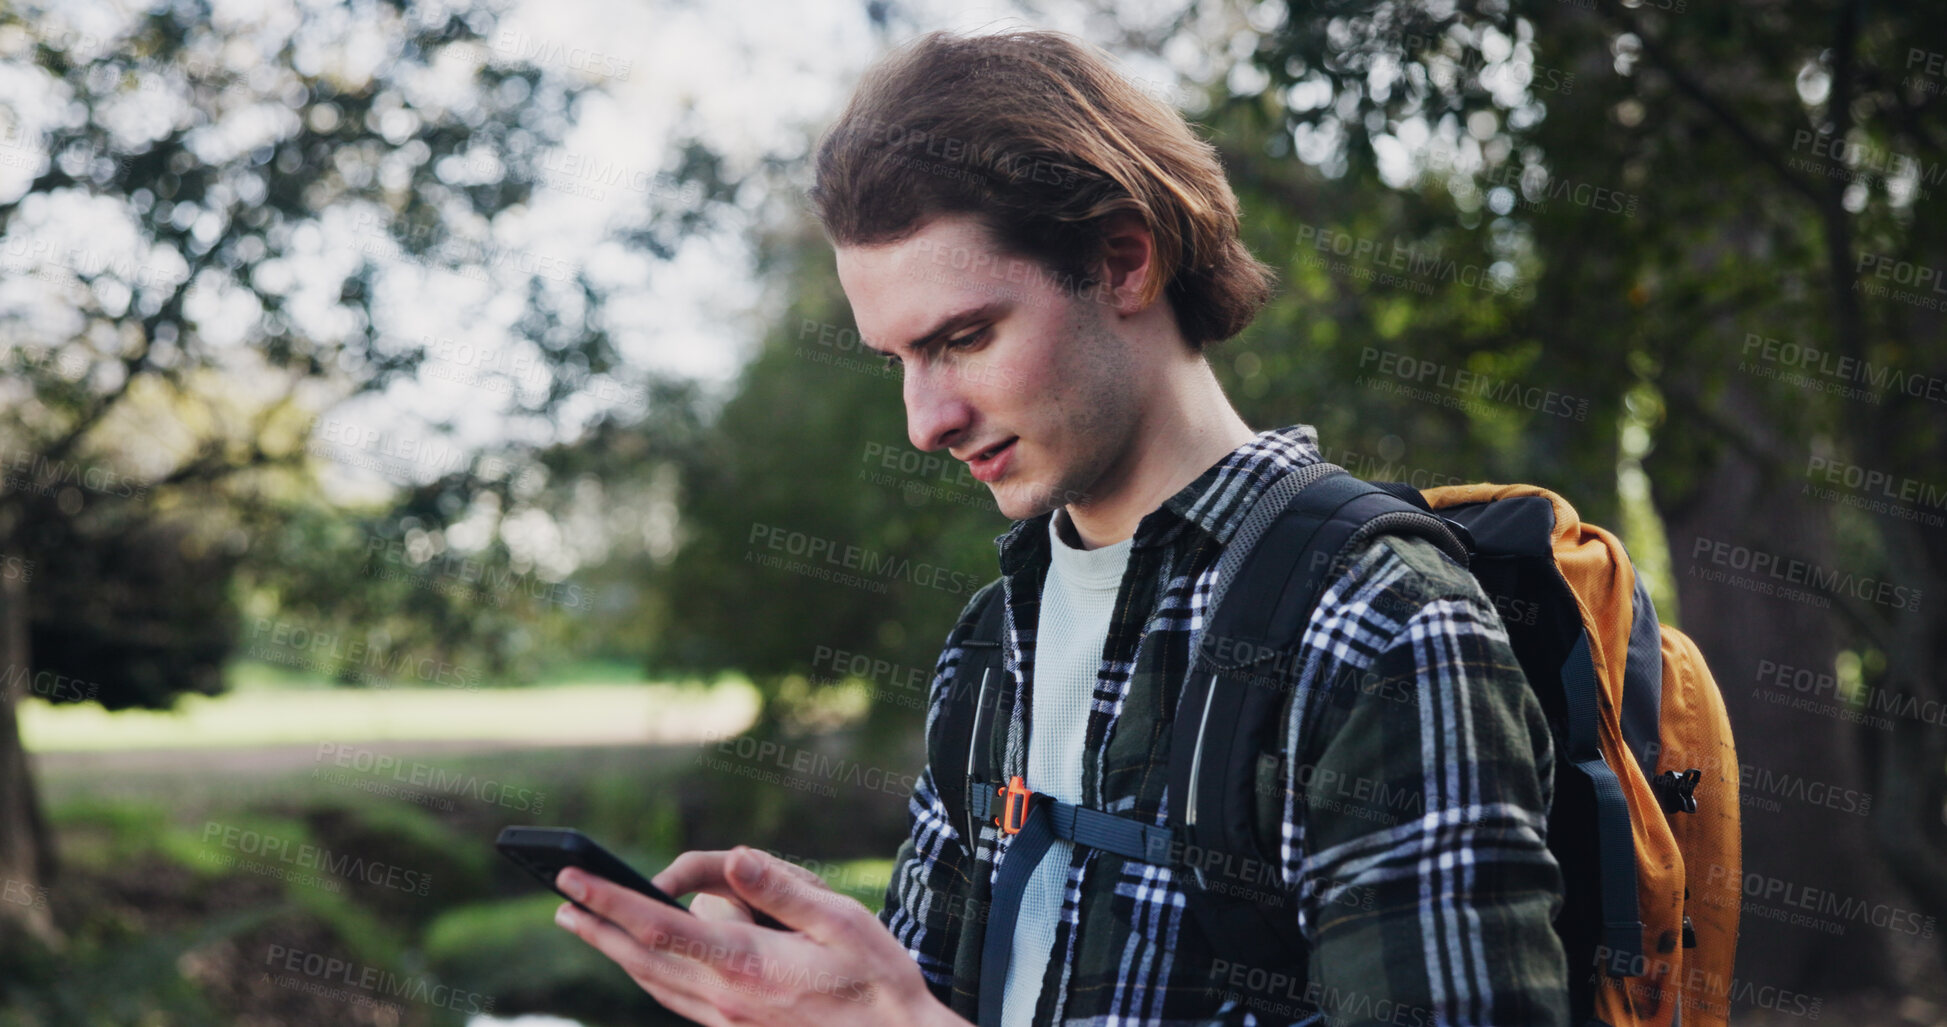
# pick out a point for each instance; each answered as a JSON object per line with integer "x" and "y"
{"x": 836, "y": 965}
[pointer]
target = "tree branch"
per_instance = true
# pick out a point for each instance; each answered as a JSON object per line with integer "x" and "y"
{"x": 1695, "y": 90}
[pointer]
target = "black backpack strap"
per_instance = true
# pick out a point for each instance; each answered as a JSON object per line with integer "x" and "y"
{"x": 965, "y": 727}
{"x": 968, "y": 725}
{"x": 1405, "y": 491}
{"x": 1290, "y": 546}
{"x": 1622, "y": 917}
{"x": 969, "y": 719}
{"x": 1030, "y": 844}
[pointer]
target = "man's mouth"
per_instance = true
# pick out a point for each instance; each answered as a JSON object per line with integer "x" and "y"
{"x": 991, "y": 451}
{"x": 989, "y": 463}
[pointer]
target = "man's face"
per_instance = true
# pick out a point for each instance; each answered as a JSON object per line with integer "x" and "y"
{"x": 1033, "y": 388}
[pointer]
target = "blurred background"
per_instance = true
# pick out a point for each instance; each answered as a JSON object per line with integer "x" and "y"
{"x": 422, "y": 418}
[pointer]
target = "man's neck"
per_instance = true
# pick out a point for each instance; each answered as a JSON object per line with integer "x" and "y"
{"x": 1192, "y": 427}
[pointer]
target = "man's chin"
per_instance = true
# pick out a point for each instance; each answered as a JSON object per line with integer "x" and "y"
{"x": 1019, "y": 501}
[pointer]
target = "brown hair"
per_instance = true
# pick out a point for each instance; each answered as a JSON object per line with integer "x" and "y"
{"x": 1035, "y": 135}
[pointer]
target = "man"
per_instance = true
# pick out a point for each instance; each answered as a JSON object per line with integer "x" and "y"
{"x": 1046, "y": 252}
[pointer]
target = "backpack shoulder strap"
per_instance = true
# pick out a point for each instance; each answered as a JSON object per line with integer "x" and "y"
{"x": 1296, "y": 539}
{"x": 1292, "y": 544}
{"x": 963, "y": 733}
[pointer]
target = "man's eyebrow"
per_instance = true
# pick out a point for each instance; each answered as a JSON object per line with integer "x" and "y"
{"x": 949, "y": 323}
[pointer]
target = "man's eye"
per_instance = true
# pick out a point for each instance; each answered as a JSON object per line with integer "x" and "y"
{"x": 968, "y": 339}
{"x": 893, "y": 363}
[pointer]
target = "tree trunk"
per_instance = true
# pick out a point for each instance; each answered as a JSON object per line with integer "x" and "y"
{"x": 26, "y": 847}
{"x": 1790, "y": 757}
{"x": 1912, "y": 823}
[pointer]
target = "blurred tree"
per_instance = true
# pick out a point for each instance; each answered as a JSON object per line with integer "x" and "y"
{"x": 811, "y": 451}
{"x": 212, "y": 211}
{"x": 1676, "y": 194}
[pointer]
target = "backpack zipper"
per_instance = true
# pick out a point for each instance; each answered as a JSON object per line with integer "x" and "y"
{"x": 1196, "y": 758}
{"x": 980, "y": 709}
{"x": 1249, "y": 532}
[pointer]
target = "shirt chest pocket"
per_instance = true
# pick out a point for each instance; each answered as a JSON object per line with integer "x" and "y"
{"x": 1134, "y": 762}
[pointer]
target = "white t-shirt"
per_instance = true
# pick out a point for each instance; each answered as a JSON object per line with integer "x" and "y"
{"x": 1077, "y": 600}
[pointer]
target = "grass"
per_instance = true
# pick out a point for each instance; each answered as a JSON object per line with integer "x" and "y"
{"x": 267, "y": 706}
{"x": 180, "y": 937}
{"x": 142, "y": 845}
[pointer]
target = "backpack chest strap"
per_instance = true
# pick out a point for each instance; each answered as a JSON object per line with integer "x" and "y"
{"x": 1110, "y": 832}
{"x": 1037, "y": 820}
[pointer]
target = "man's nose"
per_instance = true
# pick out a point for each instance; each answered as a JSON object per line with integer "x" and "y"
{"x": 936, "y": 415}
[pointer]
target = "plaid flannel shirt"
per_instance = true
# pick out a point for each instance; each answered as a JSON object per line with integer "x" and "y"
{"x": 1415, "y": 787}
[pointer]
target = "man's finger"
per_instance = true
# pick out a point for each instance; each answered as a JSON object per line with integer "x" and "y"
{"x": 703, "y": 871}
{"x": 656, "y": 924}
{"x": 715, "y": 907}
{"x": 766, "y": 883}
{"x": 679, "y": 984}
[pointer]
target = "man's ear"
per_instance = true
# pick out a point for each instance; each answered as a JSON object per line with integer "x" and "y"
{"x": 1128, "y": 261}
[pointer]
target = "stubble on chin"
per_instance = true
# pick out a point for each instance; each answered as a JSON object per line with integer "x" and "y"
{"x": 1021, "y": 501}
{"x": 1020, "y": 496}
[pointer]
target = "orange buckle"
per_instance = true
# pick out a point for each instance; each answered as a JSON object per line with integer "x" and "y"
{"x": 1009, "y": 821}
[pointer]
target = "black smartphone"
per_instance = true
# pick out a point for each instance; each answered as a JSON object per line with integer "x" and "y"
{"x": 543, "y": 851}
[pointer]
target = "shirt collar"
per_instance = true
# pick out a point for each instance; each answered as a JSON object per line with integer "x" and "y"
{"x": 1214, "y": 503}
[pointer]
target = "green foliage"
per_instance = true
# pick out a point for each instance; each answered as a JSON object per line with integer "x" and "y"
{"x": 400, "y": 835}
{"x": 346, "y": 158}
{"x": 630, "y": 817}
{"x": 797, "y": 456}
{"x": 128, "y": 615}
{"x": 132, "y": 980}
{"x": 140, "y": 880}
{"x": 475, "y": 946}
{"x": 163, "y": 929}
{"x": 862, "y": 879}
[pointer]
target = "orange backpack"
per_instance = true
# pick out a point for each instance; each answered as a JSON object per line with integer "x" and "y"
{"x": 1644, "y": 822}
{"x": 1663, "y": 734}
